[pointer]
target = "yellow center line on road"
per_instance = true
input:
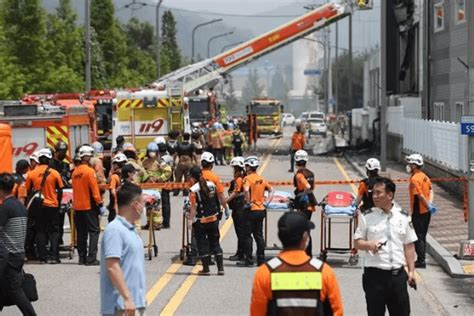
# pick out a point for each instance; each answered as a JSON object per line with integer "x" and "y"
{"x": 354, "y": 188}
{"x": 181, "y": 293}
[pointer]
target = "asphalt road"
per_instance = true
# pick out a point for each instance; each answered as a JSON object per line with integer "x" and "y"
{"x": 69, "y": 289}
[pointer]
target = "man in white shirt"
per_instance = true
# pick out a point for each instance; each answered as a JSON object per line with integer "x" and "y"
{"x": 386, "y": 233}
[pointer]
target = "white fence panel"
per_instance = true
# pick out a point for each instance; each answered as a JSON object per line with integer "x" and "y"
{"x": 441, "y": 142}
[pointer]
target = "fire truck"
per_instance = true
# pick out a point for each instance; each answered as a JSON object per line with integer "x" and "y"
{"x": 35, "y": 126}
{"x": 103, "y": 101}
{"x": 268, "y": 113}
{"x": 203, "y": 108}
{"x": 143, "y": 114}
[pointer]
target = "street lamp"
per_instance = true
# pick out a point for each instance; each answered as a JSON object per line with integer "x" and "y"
{"x": 229, "y": 46}
{"x": 213, "y": 38}
{"x": 194, "y": 32}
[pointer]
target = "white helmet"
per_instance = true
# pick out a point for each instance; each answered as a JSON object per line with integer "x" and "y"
{"x": 160, "y": 140}
{"x": 372, "y": 164}
{"x": 238, "y": 162}
{"x": 34, "y": 156}
{"x": 415, "y": 159}
{"x": 45, "y": 152}
{"x": 120, "y": 158}
{"x": 301, "y": 155}
{"x": 98, "y": 147}
{"x": 86, "y": 151}
{"x": 252, "y": 162}
{"x": 167, "y": 159}
{"x": 207, "y": 157}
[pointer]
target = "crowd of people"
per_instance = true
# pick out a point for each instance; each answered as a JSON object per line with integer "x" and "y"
{"x": 32, "y": 217}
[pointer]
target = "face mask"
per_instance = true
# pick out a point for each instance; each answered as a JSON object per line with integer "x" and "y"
{"x": 152, "y": 154}
{"x": 408, "y": 168}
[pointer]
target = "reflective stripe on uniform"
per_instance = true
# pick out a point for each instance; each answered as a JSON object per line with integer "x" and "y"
{"x": 274, "y": 263}
{"x": 282, "y": 281}
{"x": 318, "y": 264}
{"x": 297, "y": 302}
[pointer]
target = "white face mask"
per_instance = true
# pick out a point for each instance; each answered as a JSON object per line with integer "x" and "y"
{"x": 408, "y": 168}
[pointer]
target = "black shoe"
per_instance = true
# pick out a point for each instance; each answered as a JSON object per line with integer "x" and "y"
{"x": 166, "y": 226}
{"x": 42, "y": 261}
{"x": 54, "y": 261}
{"x": 220, "y": 264}
{"x": 82, "y": 261}
{"x": 245, "y": 263}
{"x": 420, "y": 265}
{"x": 236, "y": 257}
{"x": 205, "y": 266}
{"x": 93, "y": 263}
{"x": 190, "y": 261}
{"x": 291, "y": 170}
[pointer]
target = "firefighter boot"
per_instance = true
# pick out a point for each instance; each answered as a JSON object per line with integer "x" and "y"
{"x": 205, "y": 266}
{"x": 220, "y": 264}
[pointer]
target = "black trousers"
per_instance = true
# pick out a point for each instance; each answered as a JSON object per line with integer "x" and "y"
{"x": 237, "y": 151}
{"x": 11, "y": 284}
{"x": 166, "y": 207}
{"x": 309, "y": 249}
{"x": 238, "y": 217}
{"x": 87, "y": 225}
{"x": 30, "y": 247}
{"x": 62, "y": 217}
{"x": 292, "y": 159}
{"x": 421, "y": 222}
{"x": 384, "y": 289}
{"x": 254, "y": 227}
{"x": 47, "y": 228}
{"x": 207, "y": 238}
{"x": 218, "y": 155}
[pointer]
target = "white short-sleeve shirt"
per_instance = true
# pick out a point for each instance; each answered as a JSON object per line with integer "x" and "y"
{"x": 394, "y": 228}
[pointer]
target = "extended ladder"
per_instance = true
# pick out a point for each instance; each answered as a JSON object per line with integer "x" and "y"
{"x": 209, "y": 71}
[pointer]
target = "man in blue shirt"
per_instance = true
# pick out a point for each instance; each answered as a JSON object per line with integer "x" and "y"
{"x": 122, "y": 267}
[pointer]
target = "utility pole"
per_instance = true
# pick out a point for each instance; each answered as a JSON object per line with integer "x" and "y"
{"x": 158, "y": 38}
{"x": 87, "y": 33}
{"x": 329, "y": 85}
{"x": 470, "y": 111}
{"x": 194, "y": 34}
{"x": 336, "y": 75}
{"x": 384, "y": 97}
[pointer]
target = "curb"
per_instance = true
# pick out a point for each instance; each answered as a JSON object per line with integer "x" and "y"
{"x": 440, "y": 254}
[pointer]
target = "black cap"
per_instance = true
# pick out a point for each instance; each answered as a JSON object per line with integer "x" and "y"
{"x": 292, "y": 225}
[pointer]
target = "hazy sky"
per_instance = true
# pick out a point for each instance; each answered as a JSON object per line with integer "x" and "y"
{"x": 234, "y": 6}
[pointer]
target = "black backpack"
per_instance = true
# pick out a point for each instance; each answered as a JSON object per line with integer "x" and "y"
{"x": 236, "y": 139}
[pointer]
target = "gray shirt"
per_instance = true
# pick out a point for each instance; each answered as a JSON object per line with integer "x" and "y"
{"x": 13, "y": 220}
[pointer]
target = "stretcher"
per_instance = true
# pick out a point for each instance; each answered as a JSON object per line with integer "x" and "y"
{"x": 281, "y": 201}
{"x": 154, "y": 219}
{"x": 66, "y": 207}
{"x": 185, "y": 250}
{"x": 337, "y": 208}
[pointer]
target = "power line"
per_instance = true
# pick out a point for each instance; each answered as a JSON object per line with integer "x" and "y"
{"x": 271, "y": 16}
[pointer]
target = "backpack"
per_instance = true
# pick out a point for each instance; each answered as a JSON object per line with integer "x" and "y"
{"x": 236, "y": 139}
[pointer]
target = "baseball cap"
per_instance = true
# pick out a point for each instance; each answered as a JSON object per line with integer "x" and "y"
{"x": 292, "y": 225}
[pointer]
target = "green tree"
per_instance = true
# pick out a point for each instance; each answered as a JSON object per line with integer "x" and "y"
{"x": 279, "y": 87}
{"x": 12, "y": 81}
{"x": 342, "y": 68}
{"x": 65, "y": 48}
{"x": 24, "y": 30}
{"x": 252, "y": 89}
{"x": 171, "y": 55}
{"x": 141, "y": 34}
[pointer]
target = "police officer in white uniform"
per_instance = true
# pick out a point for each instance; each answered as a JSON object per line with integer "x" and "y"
{"x": 387, "y": 235}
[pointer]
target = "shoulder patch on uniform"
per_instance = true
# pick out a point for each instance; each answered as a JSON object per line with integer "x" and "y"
{"x": 274, "y": 263}
{"x": 402, "y": 211}
{"x": 370, "y": 210}
{"x": 316, "y": 263}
